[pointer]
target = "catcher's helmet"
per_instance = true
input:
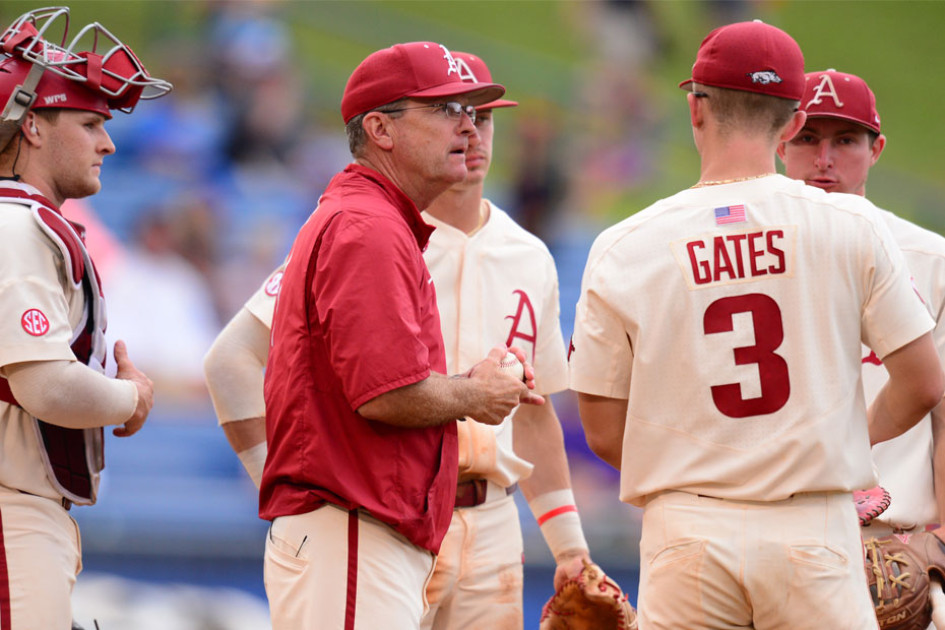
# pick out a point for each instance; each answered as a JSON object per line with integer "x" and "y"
{"x": 36, "y": 73}
{"x": 53, "y": 90}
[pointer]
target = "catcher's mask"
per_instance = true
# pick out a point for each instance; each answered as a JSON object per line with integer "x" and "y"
{"x": 94, "y": 71}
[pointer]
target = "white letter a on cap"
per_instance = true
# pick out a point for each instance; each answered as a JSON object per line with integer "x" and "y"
{"x": 825, "y": 88}
{"x": 465, "y": 72}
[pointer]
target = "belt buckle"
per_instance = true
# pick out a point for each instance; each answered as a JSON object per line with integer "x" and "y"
{"x": 475, "y": 492}
{"x": 481, "y": 489}
{"x": 471, "y": 493}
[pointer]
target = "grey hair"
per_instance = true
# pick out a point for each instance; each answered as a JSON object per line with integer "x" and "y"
{"x": 354, "y": 128}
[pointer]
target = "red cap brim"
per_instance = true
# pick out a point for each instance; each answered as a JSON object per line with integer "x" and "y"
{"x": 478, "y": 93}
{"x": 497, "y": 104}
{"x": 852, "y": 119}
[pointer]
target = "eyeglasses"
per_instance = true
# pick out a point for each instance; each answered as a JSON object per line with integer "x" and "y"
{"x": 452, "y": 109}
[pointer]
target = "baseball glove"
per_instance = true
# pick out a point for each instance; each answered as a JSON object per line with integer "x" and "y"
{"x": 870, "y": 503}
{"x": 899, "y": 570}
{"x": 591, "y": 601}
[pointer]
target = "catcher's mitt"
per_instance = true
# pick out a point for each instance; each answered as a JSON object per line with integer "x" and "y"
{"x": 898, "y": 569}
{"x": 590, "y": 601}
{"x": 870, "y": 503}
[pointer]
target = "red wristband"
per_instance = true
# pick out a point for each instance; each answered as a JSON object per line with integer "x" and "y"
{"x": 555, "y": 512}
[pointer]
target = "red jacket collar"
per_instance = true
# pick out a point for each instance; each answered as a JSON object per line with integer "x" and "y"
{"x": 421, "y": 230}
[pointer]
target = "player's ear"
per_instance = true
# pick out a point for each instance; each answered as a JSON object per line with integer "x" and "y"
{"x": 378, "y": 129}
{"x": 780, "y": 149}
{"x": 28, "y": 128}
{"x": 696, "y": 111}
{"x": 877, "y": 149}
{"x": 793, "y": 126}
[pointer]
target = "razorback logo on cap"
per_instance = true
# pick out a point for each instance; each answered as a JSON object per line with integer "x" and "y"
{"x": 764, "y": 77}
{"x": 35, "y": 322}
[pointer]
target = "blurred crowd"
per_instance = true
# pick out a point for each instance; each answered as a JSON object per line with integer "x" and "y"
{"x": 209, "y": 186}
{"x": 205, "y": 193}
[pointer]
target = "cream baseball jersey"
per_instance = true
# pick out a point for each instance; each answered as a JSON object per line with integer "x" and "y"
{"x": 36, "y": 324}
{"x": 498, "y": 286}
{"x": 904, "y": 464}
{"x": 731, "y": 317}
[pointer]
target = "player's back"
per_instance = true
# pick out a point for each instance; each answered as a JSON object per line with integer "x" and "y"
{"x": 742, "y": 307}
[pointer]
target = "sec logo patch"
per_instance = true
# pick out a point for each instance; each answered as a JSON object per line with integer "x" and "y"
{"x": 35, "y": 322}
{"x": 272, "y": 286}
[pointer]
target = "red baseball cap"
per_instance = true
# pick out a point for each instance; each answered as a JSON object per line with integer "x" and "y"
{"x": 751, "y": 57}
{"x": 832, "y": 94}
{"x": 473, "y": 69}
{"x": 415, "y": 69}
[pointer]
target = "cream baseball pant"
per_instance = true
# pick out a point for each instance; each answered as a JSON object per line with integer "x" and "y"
{"x": 795, "y": 564}
{"x": 478, "y": 578}
{"x": 331, "y": 569}
{"x": 40, "y": 557}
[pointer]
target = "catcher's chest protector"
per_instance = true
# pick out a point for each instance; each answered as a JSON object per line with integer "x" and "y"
{"x": 73, "y": 457}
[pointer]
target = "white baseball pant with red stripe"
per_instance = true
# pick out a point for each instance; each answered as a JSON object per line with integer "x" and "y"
{"x": 40, "y": 557}
{"x": 338, "y": 570}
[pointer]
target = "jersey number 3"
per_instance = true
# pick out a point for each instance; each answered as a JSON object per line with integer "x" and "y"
{"x": 772, "y": 368}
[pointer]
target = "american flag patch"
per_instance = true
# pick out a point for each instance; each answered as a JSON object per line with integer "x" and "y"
{"x": 729, "y": 214}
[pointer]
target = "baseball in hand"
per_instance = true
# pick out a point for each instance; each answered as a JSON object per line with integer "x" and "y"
{"x": 512, "y": 366}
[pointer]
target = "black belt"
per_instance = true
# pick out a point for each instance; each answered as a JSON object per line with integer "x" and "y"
{"x": 473, "y": 492}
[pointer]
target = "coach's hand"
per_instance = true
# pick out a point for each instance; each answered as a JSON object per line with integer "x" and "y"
{"x": 500, "y": 392}
{"x": 525, "y": 396}
{"x": 128, "y": 371}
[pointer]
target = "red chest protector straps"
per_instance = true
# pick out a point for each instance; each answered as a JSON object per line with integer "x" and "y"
{"x": 73, "y": 457}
